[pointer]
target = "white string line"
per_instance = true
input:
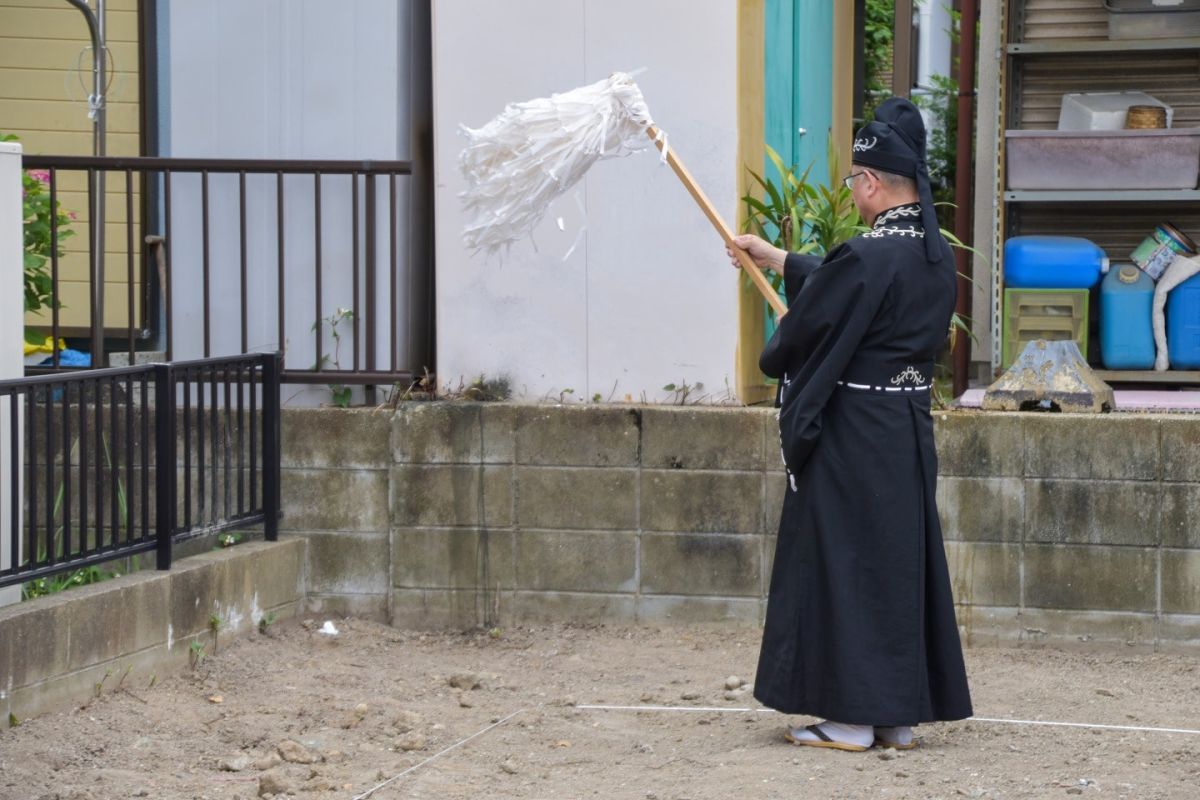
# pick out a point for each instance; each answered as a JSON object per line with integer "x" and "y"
{"x": 454, "y": 746}
{"x": 969, "y": 719}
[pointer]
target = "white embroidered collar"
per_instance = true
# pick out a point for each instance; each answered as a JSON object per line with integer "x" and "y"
{"x": 906, "y": 221}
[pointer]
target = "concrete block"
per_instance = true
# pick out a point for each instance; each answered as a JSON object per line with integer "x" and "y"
{"x": 358, "y": 606}
{"x": 702, "y": 502}
{"x": 336, "y": 500}
{"x": 35, "y": 634}
{"x": 768, "y": 418}
{"x": 1090, "y": 578}
{"x": 1181, "y": 582}
{"x": 1109, "y": 447}
{"x": 986, "y": 626}
{"x": 145, "y": 597}
{"x": 981, "y": 509}
{"x": 277, "y": 570}
{"x": 194, "y": 595}
{"x": 498, "y": 423}
{"x": 452, "y": 559}
{"x": 691, "y": 610}
{"x": 1181, "y": 515}
{"x": 1098, "y": 630}
{"x": 437, "y": 433}
{"x": 702, "y": 564}
{"x": 335, "y": 438}
{"x": 576, "y": 562}
{"x": 573, "y": 607}
{"x": 699, "y": 438}
{"x": 98, "y": 628}
{"x": 979, "y": 445}
{"x": 1180, "y": 448}
{"x": 585, "y": 436}
{"x": 579, "y": 499}
{"x": 347, "y": 563}
{"x": 1179, "y": 633}
{"x": 449, "y": 496}
{"x": 984, "y": 574}
{"x": 1092, "y": 512}
{"x": 423, "y": 609}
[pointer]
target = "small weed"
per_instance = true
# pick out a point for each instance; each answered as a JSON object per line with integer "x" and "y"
{"x": 339, "y": 392}
{"x": 266, "y": 622}
{"x": 214, "y": 625}
{"x": 197, "y": 653}
{"x": 495, "y": 633}
{"x": 13, "y": 722}
{"x": 229, "y": 539}
{"x": 482, "y": 389}
{"x": 683, "y": 391}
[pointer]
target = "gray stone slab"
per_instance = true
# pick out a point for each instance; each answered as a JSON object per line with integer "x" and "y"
{"x": 701, "y": 564}
{"x": 194, "y": 597}
{"x": 347, "y": 563}
{"x": 1181, "y": 582}
{"x": 1179, "y": 633}
{"x": 337, "y": 500}
{"x": 1092, "y": 630}
{"x": 972, "y": 444}
{"x": 36, "y": 634}
{"x": 1092, "y": 512}
{"x": 277, "y": 570}
{"x": 702, "y": 502}
{"x": 452, "y": 496}
{"x": 437, "y": 608}
{"x": 573, "y": 607}
{"x": 498, "y": 424}
{"x": 1180, "y": 448}
{"x": 696, "y": 438}
{"x": 1107, "y": 447}
{"x": 437, "y": 433}
{"x": 576, "y": 561}
{"x": 334, "y": 438}
{"x": 578, "y": 499}
{"x": 1090, "y": 578}
{"x": 453, "y": 559}
{"x": 984, "y": 574}
{"x": 1181, "y": 515}
{"x": 359, "y": 606}
{"x": 583, "y": 436}
{"x": 981, "y": 509}
{"x": 690, "y": 610}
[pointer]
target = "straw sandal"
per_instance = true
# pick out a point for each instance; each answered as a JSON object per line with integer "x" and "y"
{"x": 823, "y": 740}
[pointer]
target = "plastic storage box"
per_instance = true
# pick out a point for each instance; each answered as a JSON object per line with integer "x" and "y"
{"x": 1152, "y": 19}
{"x": 1052, "y": 262}
{"x": 1103, "y": 111}
{"x": 1050, "y": 314}
{"x": 1139, "y": 159}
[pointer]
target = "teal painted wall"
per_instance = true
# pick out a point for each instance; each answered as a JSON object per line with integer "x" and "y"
{"x": 799, "y": 82}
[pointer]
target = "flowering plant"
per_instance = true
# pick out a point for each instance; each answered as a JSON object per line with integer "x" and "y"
{"x": 36, "y": 214}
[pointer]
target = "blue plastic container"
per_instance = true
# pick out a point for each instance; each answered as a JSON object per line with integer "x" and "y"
{"x": 1126, "y": 326}
{"x": 1052, "y": 262}
{"x": 1183, "y": 324}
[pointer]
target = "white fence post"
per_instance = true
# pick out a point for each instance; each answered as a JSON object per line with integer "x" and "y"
{"x": 12, "y": 327}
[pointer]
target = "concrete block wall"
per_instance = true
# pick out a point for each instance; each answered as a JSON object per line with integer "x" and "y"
{"x": 1058, "y": 528}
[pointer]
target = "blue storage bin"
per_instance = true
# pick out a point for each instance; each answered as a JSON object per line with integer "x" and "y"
{"x": 1126, "y": 323}
{"x": 1052, "y": 262}
{"x": 1183, "y": 324}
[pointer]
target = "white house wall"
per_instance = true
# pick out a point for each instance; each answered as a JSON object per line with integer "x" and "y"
{"x": 648, "y": 297}
{"x": 281, "y": 79}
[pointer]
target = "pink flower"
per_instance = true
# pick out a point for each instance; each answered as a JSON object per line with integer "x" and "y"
{"x": 40, "y": 175}
{"x": 72, "y": 215}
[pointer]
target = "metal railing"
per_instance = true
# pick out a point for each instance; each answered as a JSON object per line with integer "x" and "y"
{"x": 235, "y": 256}
{"x": 106, "y": 464}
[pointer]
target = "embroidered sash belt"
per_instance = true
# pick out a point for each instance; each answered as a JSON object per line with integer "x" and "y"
{"x": 887, "y": 377}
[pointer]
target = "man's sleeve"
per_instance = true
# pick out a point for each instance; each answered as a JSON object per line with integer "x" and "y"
{"x": 796, "y": 269}
{"x": 824, "y": 327}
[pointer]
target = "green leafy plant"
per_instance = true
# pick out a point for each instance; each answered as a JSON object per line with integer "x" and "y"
{"x": 196, "y": 653}
{"x": 37, "y": 215}
{"x": 214, "y": 625}
{"x": 228, "y": 539}
{"x": 878, "y": 19}
{"x": 265, "y": 622}
{"x": 340, "y": 392}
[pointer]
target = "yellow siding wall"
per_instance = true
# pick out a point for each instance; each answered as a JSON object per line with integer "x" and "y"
{"x": 45, "y": 77}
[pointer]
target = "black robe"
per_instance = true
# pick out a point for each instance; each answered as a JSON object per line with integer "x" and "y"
{"x": 860, "y": 624}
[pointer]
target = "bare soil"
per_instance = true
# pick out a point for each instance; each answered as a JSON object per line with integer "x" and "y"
{"x": 372, "y": 705}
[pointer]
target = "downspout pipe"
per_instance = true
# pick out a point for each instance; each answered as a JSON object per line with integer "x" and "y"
{"x": 963, "y": 181}
{"x": 96, "y": 182}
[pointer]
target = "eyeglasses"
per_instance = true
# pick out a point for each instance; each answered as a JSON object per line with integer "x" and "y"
{"x": 848, "y": 181}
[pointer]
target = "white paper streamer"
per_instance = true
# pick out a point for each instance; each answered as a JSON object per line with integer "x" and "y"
{"x": 533, "y": 152}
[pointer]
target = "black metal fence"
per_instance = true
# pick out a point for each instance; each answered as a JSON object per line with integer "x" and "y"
{"x": 318, "y": 259}
{"x": 106, "y": 464}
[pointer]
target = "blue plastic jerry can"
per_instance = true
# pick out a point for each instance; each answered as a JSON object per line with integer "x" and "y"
{"x": 1126, "y": 322}
{"x": 1052, "y": 262}
{"x": 1183, "y": 324}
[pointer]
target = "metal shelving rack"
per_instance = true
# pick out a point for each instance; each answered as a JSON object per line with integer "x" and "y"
{"x": 1043, "y": 55}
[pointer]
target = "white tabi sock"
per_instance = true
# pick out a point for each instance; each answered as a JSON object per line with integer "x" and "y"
{"x": 860, "y": 735}
{"x": 901, "y": 735}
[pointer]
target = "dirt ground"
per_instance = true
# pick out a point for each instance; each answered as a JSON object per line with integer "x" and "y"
{"x": 373, "y": 704}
